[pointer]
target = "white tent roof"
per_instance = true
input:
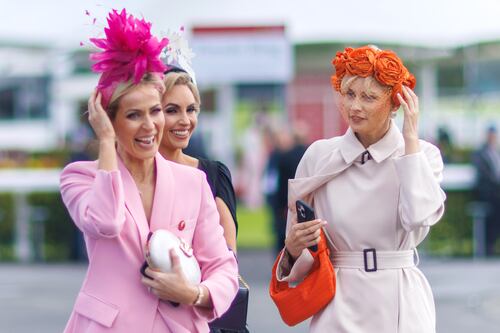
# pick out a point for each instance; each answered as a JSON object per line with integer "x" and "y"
{"x": 443, "y": 23}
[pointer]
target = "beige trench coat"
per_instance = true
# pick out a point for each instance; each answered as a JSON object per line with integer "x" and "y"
{"x": 387, "y": 202}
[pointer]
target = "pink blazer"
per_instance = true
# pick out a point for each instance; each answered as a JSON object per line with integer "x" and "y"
{"x": 107, "y": 208}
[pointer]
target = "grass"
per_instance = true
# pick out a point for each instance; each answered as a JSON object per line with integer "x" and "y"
{"x": 254, "y": 228}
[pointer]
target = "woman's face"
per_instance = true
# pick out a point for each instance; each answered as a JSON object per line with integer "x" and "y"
{"x": 367, "y": 108}
{"x": 139, "y": 122}
{"x": 181, "y": 116}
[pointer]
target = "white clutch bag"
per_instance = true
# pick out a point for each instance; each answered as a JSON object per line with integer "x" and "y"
{"x": 158, "y": 254}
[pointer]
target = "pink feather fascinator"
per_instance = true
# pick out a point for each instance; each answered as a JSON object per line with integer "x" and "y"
{"x": 128, "y": 52}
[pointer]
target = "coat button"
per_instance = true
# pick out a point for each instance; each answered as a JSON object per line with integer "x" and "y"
{"x": 181, "y": 225}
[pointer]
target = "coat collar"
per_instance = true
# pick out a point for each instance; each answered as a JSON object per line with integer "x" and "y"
{"x": 162, "y": 202}
{"x": 351, "y": 148}
{"x": 331, "y": 164}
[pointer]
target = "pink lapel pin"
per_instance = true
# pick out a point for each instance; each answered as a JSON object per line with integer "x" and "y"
{"x": 181, "y": 225}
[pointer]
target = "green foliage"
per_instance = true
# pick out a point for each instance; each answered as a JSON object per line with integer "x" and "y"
{"x": 452, "y": 236}
{"x": 6, "y": 227}
{"x": 254, "y": 228}
{"x": 6, "y": 218}
{"x": 59, "y": 229}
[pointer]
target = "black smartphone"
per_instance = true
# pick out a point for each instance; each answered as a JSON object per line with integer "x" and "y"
{"x": 305, "y": 213}
{"x": 143, "y": 270}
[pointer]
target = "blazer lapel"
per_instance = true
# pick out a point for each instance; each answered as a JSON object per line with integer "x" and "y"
{"x": 133, "y": 202}
{"x": 163, "y": 202}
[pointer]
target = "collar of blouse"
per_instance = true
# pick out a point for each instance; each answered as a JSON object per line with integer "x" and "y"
{"x": 351, "y": 149}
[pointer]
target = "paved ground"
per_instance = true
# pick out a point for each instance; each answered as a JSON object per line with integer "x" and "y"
{"x": 38, "y": 298}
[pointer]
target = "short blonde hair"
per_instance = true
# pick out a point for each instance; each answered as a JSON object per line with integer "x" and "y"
{"x": 172, "y": 79}
{"x": 123, "y": 88}
{"x": 348, "y": 80}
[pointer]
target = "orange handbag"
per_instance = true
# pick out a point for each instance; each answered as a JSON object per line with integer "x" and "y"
{"x": 298, "y": 303}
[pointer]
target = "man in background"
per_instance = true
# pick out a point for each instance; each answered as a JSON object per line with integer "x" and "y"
{"x": 487, "y": 163}
{"x": 283, "y": 161}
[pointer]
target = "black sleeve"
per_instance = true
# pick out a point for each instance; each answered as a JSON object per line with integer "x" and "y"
{"x": 219, "y": 179}
{"x": 210, "y": 169}
{"x": 225, "y": 190}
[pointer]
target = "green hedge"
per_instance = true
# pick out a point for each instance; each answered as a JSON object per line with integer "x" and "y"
{"x": 6, "y": 227}
{"x": 60, "y": 232}
{"x": 450, "y": 237}
{"x": 254, "y": 228}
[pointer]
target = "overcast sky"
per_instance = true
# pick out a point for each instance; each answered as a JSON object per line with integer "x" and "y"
{"x": 413, "y": 22}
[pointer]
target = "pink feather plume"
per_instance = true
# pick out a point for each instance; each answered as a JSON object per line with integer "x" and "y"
{"x": 128, "y": 52}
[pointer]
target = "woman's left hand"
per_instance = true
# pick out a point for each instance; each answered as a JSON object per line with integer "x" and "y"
{"x": 171, "y": 286}
{"x": 410, "y": 124}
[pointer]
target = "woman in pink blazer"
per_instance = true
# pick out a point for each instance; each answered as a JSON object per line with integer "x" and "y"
{"x": 130, "y": 191}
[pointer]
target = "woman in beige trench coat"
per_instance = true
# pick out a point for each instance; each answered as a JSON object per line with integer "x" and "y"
{"x": 376, "y": 194}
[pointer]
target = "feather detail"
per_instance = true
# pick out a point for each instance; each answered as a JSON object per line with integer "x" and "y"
{"x": 178, "y": 53}
{"x": 128, "y": 52}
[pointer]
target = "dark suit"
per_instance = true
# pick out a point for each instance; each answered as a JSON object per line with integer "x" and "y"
{"x": 488, "y": 190}
{"x": 286, "y": 165}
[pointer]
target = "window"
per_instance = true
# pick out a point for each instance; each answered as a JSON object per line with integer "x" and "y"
{"x": 7, "y": 96}
{"x": 450, "y": 80}
{"x": 24, "y": 98}
{"x": 81, "y": 62}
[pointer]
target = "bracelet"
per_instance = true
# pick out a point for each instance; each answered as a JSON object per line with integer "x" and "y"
{"x": 199, "y": 298}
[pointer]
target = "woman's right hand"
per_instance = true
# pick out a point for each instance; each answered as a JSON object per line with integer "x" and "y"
{"x": 303, "y": 235}
{"x": 99, "y": 119}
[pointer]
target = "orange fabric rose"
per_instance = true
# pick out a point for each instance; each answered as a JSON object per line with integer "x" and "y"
{"x": 389, "y": 70}
{"x": 384, "y": 65}
{"x": 339, "y": 63}
{"x": 361, "y": 61}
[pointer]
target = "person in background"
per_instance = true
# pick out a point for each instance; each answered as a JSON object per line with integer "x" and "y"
{"x": 376, "y": 193}
{"x": 282, "y": 164}
{"x": 131, "y": 191}
{"x": 196, "y": 147}
{"x": 487, "y": 164}
{"x": 181, "y": 106}
{"x": 445, "y": 144}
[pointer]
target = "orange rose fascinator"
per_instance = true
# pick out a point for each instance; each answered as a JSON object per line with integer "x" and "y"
{"x": 384, "y": 65}
{"x": 129, "y": 51}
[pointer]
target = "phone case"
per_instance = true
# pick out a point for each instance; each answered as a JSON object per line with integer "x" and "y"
{"x": 305, "y": 213}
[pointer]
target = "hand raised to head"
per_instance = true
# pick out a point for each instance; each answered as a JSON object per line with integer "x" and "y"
{"x": 99, "y": 119}
{"x": 410, "y": 123}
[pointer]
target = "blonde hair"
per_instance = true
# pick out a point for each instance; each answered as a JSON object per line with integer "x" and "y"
{"x": 123, "y": 88}
{"x": 172, "y": 79}
{"x": 348, "y": 80}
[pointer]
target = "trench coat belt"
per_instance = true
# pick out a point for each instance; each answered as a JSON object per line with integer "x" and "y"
{"x": 371, "y": 260}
